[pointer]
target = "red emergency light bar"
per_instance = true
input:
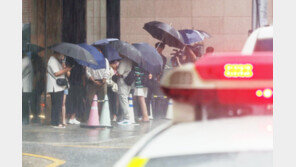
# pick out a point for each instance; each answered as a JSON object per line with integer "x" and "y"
{"x": 246, "y": 71}
{"x": 236, "y": 66}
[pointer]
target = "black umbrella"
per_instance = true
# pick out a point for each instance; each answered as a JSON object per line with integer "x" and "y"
{"x": 127, "y": 50}
{"x": 165, "y": 33}
{"x": 74, "y": 51}
{"x": 152, "y": 61}
{"x": 109, "y": 52}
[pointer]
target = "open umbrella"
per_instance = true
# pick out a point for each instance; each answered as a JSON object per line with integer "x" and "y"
{"x": 98, "y": 56}
{"x": 110, "y": 53}
{"x": 127, "y": 50}
{"x": 104, "y": 41}
{"x": 152, "y": 61}
{"x": 193, "y": 36}
{"x": 74, "y": 51}
{"x": 165, "y": 33}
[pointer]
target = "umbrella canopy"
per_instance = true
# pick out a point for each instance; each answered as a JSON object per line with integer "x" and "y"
{"x": 110, "y": 53}
{"x": 165, "y": 33}
{"x": 193, "y": 36}
{"x": 127, "y": 50}
{"x": 104, "y": 41}
{"x": 152, "y": 61}
{"x": 98, "y": 56}
{"x": 74, "y": 51}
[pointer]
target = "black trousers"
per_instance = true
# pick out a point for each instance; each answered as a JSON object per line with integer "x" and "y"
{"x": 26, "y": 98}
{"x": 112, "y": 96}
{"x": 75, "y": 101}
{"x": 35, "y": 104}
{"x": 56, "y": 107}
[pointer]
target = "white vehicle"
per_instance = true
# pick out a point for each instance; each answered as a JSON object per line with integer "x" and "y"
{"x": 244, "y": 142}
{"x": 260, "y": 40}
{"x": 197, "y": 137}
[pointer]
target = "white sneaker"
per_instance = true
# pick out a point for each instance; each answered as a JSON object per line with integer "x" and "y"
{"x": 124, "y": 122}
{"x": 74, "y": 122}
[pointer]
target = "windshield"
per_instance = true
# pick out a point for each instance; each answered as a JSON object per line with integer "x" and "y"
{"x": 263, "y": 45}
{"x": 241, "y": 159}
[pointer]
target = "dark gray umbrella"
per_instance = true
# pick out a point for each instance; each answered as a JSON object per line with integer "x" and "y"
{"x": 74, "y": 51}
{"x": 165, "y": 33}
{"x": 127, "y": 50}
{"x": 152, "y": 61}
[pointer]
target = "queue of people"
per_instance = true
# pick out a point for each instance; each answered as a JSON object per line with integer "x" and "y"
{"x": 71, "y": 102}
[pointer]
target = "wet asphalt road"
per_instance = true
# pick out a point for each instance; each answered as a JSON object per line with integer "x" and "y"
{"x": 75, "y": 146}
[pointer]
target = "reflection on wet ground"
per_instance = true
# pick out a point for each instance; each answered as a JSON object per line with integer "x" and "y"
{"x": 82, "y": 146}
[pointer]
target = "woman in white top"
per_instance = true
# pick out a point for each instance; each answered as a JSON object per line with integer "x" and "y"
{"x": 55, "y": 71}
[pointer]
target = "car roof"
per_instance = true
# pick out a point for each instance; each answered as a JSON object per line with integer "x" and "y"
{"x": 260, "y": 33}
{"x": 251, "y": 133}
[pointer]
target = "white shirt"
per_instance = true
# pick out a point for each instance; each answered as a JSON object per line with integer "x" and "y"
{"x": 27, "y": 75}
{"x": 99, "y": 73}
{"x": 53, "y": 66}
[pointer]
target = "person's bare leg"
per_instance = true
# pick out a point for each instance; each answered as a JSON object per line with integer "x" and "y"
{"x": 143, "y": 106}
{"x": 64, "y": 110}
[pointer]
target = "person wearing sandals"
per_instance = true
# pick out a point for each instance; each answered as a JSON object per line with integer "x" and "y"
{"x": 55, "y": 71}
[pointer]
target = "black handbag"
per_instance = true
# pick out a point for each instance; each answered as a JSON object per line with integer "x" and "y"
{"x": 60, "y": 81}
{"x": 130, "y": 78}
{"x": 115, "y": 78}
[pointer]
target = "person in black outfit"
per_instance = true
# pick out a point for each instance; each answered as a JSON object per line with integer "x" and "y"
{"x": 76, "y": 98}
{"x": 38, "y": 85}
{"x": 158, "y": 104}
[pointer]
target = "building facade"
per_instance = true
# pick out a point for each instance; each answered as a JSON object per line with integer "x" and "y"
{"x": 228, "y": 21}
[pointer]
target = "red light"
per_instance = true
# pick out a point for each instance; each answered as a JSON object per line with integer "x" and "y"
{"x": 222, "y": 96}
{"x": 235, "y": 66}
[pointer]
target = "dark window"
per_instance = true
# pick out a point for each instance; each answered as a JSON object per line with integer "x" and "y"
{"x": 113, "y": 19}
{"x": 74, "y": 21}
{"x": 263, "y": 45}
{"x": 242, "y": 159}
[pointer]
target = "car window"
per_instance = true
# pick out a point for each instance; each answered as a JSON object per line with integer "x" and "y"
{"x": 263, "y": 45}
{"x": 241, "y": 159}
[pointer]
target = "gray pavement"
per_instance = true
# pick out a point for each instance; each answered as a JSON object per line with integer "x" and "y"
{"x": 75, "y": 146}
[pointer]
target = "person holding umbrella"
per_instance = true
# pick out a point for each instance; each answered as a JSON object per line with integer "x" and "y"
{"x": 55, "y": 73}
